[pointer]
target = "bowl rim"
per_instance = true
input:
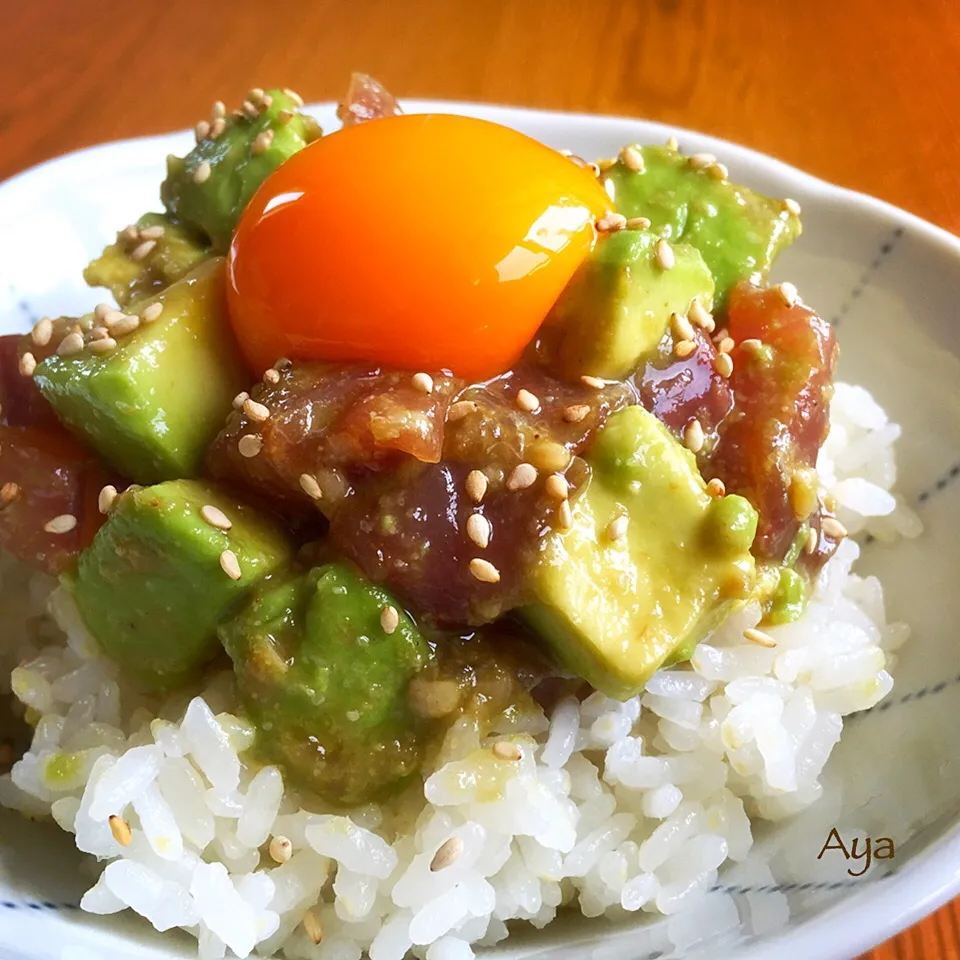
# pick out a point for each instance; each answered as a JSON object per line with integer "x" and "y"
{"x": 880, "y": 910}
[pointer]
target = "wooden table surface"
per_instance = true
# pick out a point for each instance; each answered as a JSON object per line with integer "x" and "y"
{"x": 864, "y": 94}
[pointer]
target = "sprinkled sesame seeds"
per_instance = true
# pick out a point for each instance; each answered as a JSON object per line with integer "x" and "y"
{"x": 61, "y": 524}
{"x": 447, "y": 853}
{"x": 255, "y": 94}
{"x": 124, "y": 326}
{"x": 716, "y": 488}
{"x": 422, "y": 382}
{"x": 594, "y": 382}
{"x": 143, "y": 250}
{"x": 218, "y": 111}
{"x": 758, "y": 636}
{"x": 788, "y": 293}
{"x": 284, "y": 117}
{"x": 700, "y": 160}
{"x": 202, "y": 130}
{"x": 270, "y": 375}
{"x": 389, "y": 619}
{"x": 71, "y": 344}
{"x": 751, "y": 343}
{"x": 556, "y": 486}
{"x": 576, "y": 412}
{"x": 610, "y": 223}
{"x": 99, "y": 333}
{"x": 681, "y": 326}
{"x": 522, "y": 476}
{"x": 9, "y": 492}
{"x": 476, "y": 485}
{"x": 484, "y": 571}
{"x": 294, "y": 96}
{"x": 672, "y": 143}
{"x": 42, "y": 332}
{"x": 152, "y": 233}
{"x": 217, "y": 127}
{"x": 249, "y": 110}
{"x": 723, "y": 364}
{"x": 790, "y": 206}
{"x": 813, "y": 539}
{"x": 215, "y": 517}
{"x": 312, "y": 927}
{"x": 280, "y": 849}
{"x": 262, "y": 142}
{"x": 699, "y": 315}
{"x": 693, "y": 437}
{"x": 230, "y": 565}
{"x": 683, "y": 348}
{"x": 632, "y": 159}
{"x": 564, "y": 516}
{"x": 617, "y": 528}
{"x": 202, "y": 173}
{"x": 111, "y": 316}
{"x": 726, "y": 345}
{"x": 240, "y": 399}
{"x": 718, "y": 171}
{"x": 102, "y": 345}
{"x": 27, "y": 364}
{"x": 249, "y": 445}
{"x": 101, "y": 310}
{"x": 129, "y": 233}
{"x": 478, "y": 530}
{"x": 460, "y": 409}
{"x": 311, "y": 486}
{"x": 833, "y": 528}
{"x": 527, "y": 401}
{"x": 121, "y": 830}
{"x": 594, "y": 168}
{"x": 664, "y": 255}
{"x": 505, "y": 750}
{"x": 256, "y": 411}
{"x": 151, "y": 313}
{"x": 638, "y": 223}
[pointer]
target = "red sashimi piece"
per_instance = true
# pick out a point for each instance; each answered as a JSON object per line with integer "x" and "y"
{"x": 366, "y": 99}
{"x": 782, "y": 377}
{"x": 21, "y": 401}
{"x": 46, "y": 474}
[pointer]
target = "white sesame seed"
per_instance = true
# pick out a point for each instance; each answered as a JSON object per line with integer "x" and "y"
{"x": 284, "y": 117}
{"x": 683, "y": 348}
{"x": 791, "y": 206}
{"x": 723, "y": 364}
{"x": 478, "y": 530}
{"x": 129, "y": 233}
{"x": 42, "y": 332}
{"x": 294, "y": 96}
{"x": 271, "y": 376}
{"x": 693, "y": 438}
{"x": 594, "y": 382}
{"x": 758, "y": 636}
{"x": 447, "y": 853}
{"x": 111, "y": 316}
{"x": 142, "y": 250}
{"x": 422, "y": 382}
{"x": 476, "y": 485}
{"x": 672, "y": 143}
{"x": 726, "y": 345}
{"x": 617, "y": 528}
{"x": 249, "y": 110}
{"x": 202, "y": 130}
{"x": 638, "y": 223}
{"x": 751, "y": 344}
{"x": 460, "y": 409}
{"x": 681, "y": 326}
{"x": 151, "y": 313}
{"x": 215, "y": 517}
{"x": 389, "y": 619}
{"x": 699, "y": 315}
{"x": 280, "y": 849}
{"x": 310, "y": 486}
{"x": 716, "y": 488}
{"x": 718, "y": 171}
{"x": 632, "y": 159}
{"x": 99, "y": 333}
{"x": 833, "y": 528}
{"x": 505, "y": 750}
{"x": 610, "y": 223}
{"x": 557, "y": 487}
{"x": 484, "y": 571}
{"x": 218, "y": 111}
{"x": 152, "y": 233}
{"x": 788, "y": 293}
{"x": 255, "y": 95}
{"x": 312, "y": 927}
{"x": 813, "y": 540}
{"x": 101, "y": 310}
{"x": 230, "y": 565}
{"x": 122, "y": 327}
{"x": 27, "y": 364}
{"x": 256, "y": 411}
{"x": 70, "y": 345}
{"x": 249, "y": 445}
{"x": 217, "y": 127}
{"x": 106, "y": 497}
{"x": 61, "y": 524}
{"x": 240, "y": 399}
{"x": 102, "y": 345}
{"x": 202, "y": 173}
{"x": 700, "y": 160}
{"x": 594, "y": 168}
{"x": 527, "y": 401}
{"x": 576, "y": 412}
{"x": 664, "y": 254}
{"x": 262, "y": 142}
{"x": 522, "y": 476}
{"x": 121, "y": 830}
{"x": 9, "y": 492}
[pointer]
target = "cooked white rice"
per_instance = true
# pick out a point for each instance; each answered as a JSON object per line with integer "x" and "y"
{"x": 612, "y": 808}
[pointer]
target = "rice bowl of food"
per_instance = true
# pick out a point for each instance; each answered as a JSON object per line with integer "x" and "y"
{"x": 394, "y": 566}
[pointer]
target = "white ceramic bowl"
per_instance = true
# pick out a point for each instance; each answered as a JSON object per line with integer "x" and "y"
{"x": 891, "y": 283}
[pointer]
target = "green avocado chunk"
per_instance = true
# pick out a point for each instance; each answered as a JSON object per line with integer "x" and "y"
{"x": 173, "y": 254}
{"x": 154, "y": 583}
{"x": 326, "y": 683}
{"x": 210, "y": 187}
{"x": 152, "y": 406}
{"x": 738, "y": 232}
{"x": 616, "y": 608}
{"x": 617, "y": 307}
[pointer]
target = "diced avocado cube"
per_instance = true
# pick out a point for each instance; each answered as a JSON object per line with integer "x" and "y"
{"x": 323, "y": 671}
{"x": 616, "y": 608}
{"x": 210, "y": 187}
{"x": 172, "y": 255}
{"x": 738, "y": 232}
{"x": 155, "y": 582}
{"x": 152, "y": 406}
{"x": 617, "y": 307}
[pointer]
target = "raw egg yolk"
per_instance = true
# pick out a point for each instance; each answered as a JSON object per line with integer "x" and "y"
{"x": 419, "y": 242}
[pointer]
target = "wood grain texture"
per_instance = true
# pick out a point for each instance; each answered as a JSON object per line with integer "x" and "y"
{"x": 862, "y": 93}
